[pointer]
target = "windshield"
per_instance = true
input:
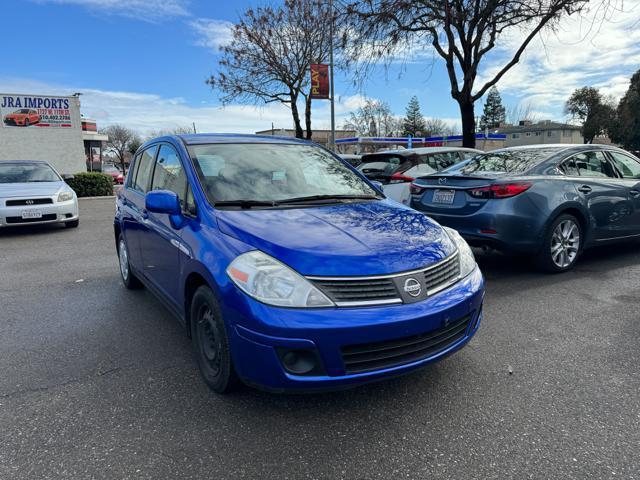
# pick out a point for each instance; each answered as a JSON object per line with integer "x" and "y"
{"x": 27, "y": 173}
{"x": 272, "y": 173}
{"x": 507, "y": 161}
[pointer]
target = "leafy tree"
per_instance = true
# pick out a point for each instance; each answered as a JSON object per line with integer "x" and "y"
{"x": 462, "y": 32}
{"x": 587, "y": 105}
{"x": 413, "y": 123}
{"x": 626, "y": 127}
{"x": 268, "y": 59}
{"x": 494, "y": 112}
{"x": 121, "y": 140}
{"x": 373, "y": 119}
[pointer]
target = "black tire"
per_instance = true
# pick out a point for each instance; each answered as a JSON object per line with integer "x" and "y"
{"x": 211, "y": 343}
{"x": 128, "y": 277}
{"x": 26, "y": 122}
{"x": 72, "y": 223}
{"x": 569, "y": 246}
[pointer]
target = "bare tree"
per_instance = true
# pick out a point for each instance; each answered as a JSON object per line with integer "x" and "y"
{"x": 177, "y": 130}
{"x": 120, "y": 140}
{"x": 438, "y": 127}
{"x": 269, "y": 57}
{"x": 521, "y": 112}
{"x": 374, "y": 119}
{"x": 462, "y": 32}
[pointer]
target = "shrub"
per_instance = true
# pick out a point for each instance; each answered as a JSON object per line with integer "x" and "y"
{"x": 91, "y": 184}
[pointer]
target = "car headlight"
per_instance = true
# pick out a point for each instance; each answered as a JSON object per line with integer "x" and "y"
{"x": 467, "y": 260}
{"x": 65, "y": 196}
{"x": 269, "y": 281}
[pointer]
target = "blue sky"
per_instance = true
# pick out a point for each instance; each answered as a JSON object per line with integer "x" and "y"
{"x": 144, "y": 63}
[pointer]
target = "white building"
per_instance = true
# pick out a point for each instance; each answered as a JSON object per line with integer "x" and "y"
{"x": 37, "y": 127}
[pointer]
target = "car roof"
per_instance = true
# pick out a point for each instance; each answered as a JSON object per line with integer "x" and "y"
{"x": 409, "y": 152}
{"x": 43, "y": 162}
{"x": 204, "y": 138}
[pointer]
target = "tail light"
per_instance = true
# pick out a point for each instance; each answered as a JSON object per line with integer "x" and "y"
{"x": 398, "y": 178}
{"x": 416, "y": 189}
{"x": 502, "y": 190}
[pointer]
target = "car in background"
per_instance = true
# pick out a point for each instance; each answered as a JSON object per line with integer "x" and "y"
{"x": 22, "y": 118}
{"x": 351, "y": 158}
{"x": 114, "y": 172}
{"x": 289, "y": 270}
{"x": 32, "y": 192}
{"x": 547, "y": 201}
{"x": 396, "y": 169}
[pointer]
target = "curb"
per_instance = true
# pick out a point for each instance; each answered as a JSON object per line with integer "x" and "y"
{"x": 96, "y": 198}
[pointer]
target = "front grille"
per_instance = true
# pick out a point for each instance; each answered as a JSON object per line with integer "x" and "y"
{"x": 30, "y": 201}
{"x": 381, "y": 290}
{"x": 44, "y": 218}
{"x": 367, "y": 357}
{"x": 344, "y": 292}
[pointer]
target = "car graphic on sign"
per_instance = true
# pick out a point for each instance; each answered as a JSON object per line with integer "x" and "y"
{"x": 22, "y": 117}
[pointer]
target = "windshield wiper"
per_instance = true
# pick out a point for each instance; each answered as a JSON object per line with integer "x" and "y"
{"x": 246, "y": 203}
{"x": 312, "y": 198}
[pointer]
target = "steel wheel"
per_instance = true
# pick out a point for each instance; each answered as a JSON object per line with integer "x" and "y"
{"x": 565, "y": 243}
{"x": 210, "y": 339}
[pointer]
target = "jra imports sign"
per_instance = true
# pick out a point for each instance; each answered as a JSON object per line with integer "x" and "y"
{"x": 27, "y": 111}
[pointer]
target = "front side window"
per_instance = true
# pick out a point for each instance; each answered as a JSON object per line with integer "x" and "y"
{"x": 271, "y": 173}
{"x": 593, "y": 164}
{"x": 169, "y": 174}
{"x": 27, "y": 173}
{"x": 627, "y": 166}
{"x": 144, "y": 169}
{"x": 568, "y": 167}
{"x": 509, "y": 161}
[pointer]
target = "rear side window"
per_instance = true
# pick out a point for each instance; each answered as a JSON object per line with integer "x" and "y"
{"x": 133, "y": 169}
{"x": 144, "y": 170}
{"x": 440, "y": 161}
{"x": 169, "y": 174}
{"x": 627, "y": 167}
{"x": 383, "y": 164}
{"x": 593, "y": 164}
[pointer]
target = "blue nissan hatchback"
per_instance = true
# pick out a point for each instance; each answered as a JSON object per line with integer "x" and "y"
{"x": 289, "y": 269}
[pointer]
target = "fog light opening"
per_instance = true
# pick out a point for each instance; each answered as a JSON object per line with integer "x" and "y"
{"x": 299, "y": 362}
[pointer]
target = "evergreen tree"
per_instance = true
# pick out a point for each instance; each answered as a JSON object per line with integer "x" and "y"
{"x": 626, "y": 128}
{"x": 494, "y": 113}
{"x": 413, "y": 123}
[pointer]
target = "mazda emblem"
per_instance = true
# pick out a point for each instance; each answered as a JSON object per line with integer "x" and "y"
{"x": 29, "y": 202}
{"x": 442, "y": 180}
{"x": 412, "y": 287}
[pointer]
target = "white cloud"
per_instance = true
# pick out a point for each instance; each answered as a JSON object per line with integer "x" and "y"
{"x": 147, "y": 112}
{"x": 212, "y": 33}
{"x": 146, "y": 10}
{"x": 598, "y": 48}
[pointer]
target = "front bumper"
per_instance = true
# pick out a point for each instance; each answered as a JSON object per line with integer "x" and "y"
{"x": 55, "y": 212}
{"x": 259, "y": 331}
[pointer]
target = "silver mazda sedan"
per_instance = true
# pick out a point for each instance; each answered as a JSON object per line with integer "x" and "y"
{"x": 32, "y": 192}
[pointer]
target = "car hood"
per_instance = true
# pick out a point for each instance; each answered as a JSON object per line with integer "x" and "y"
{"x": 45, "y": 189}
{"x": 372, "y": 238}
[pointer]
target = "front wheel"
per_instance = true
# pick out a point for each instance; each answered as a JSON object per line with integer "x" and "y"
{"x": 211, "y": 343}
{"x": 562, "y": 245}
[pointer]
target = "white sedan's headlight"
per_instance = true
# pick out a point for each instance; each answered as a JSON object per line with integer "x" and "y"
{"x": 269, "y": 281}
{"x": 65, "y": 196}
{"x": 467, "y": 260}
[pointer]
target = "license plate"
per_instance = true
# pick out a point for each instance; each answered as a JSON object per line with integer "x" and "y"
{"x": 444, "y": 196}
{"x": 31, "y": 214}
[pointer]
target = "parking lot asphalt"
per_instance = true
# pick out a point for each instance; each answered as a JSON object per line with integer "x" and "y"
{"x": 99, "y": 382}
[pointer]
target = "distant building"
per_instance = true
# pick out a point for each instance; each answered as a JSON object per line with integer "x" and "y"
{"x": 546, "y": 131}
{"x": 93, "y": 144}
{"x": 319, "y": 136}
{"x": 361, "y": 145}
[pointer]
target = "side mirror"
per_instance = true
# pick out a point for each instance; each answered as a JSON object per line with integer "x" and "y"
{"x": 378, "y": 186}
{"x": 162, "y": 201}
{"x": 67, "y": 176}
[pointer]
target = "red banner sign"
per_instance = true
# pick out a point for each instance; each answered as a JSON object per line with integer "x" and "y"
{"x": 320, "y": 81}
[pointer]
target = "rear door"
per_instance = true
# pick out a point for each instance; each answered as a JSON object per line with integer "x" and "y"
{"x": 606, "y": 195}
{"x": 161, "y": 245}
{"x": 628, "y": 168}
{"x": 134, "y": 212}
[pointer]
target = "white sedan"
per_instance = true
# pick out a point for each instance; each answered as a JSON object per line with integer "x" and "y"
{"x": 32, "y": 192}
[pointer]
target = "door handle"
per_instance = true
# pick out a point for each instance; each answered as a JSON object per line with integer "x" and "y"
{"x": 584, "y": 189}
{"x": 634, "y": 193}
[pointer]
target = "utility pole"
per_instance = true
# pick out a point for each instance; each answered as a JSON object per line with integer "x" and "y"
{"x": 332, "y": 140}
{"x": 194, "y": 127}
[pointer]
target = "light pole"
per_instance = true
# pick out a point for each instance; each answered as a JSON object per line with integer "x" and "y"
{"x": 332, "y": 139}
